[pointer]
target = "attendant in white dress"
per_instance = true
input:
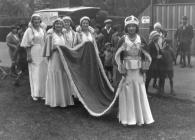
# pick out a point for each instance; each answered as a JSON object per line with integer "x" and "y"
{"x": 85, "y": 32}
{"x": 69, "y": 34}
{"x": 33, "y": 41}
{"x": 133, "y": 102}
{"x": 58, "y": 86}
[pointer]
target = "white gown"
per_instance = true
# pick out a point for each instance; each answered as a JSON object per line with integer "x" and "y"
{"x": 58, "y": 86}
{"x": 133, "y": 102}
{"x": 38, "y": 67}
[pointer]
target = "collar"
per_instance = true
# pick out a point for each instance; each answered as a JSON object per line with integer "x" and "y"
{"x": 184, "y": 26}
{"x": 108, "y": 30}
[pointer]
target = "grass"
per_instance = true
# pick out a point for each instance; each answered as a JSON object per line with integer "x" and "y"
{"x": 21, "y": 118}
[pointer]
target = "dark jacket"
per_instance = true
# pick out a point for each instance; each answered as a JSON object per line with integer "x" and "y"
{"x": 168, "y": 58}
{"x": 184, "y": 35}
{"x": 107, "y": 36}
{"x": 154, "y": 53}
{"x": 100, "y": 41}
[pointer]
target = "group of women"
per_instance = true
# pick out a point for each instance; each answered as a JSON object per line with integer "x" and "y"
{"x": 52, "y": 80}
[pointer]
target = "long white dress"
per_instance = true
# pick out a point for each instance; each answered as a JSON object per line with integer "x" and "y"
{"x": 58, "y": 87}
{"x": 133, "y": 102}
{"x": 38, "y": 67}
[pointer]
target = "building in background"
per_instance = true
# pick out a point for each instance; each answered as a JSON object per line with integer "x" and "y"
{"x": 169, "y": 13}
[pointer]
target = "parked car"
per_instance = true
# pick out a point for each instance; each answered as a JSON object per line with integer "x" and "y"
{"x": 49, "y": 15}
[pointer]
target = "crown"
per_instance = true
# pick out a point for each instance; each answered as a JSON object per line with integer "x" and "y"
{"x": 131, "y": 20}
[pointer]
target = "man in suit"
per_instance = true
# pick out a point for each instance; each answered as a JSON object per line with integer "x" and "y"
{"x": 13, "y": 43}
{"x": 184, "y": 36}
{"x": 107, "y": 31}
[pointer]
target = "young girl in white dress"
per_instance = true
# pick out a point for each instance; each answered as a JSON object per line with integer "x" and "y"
{"x": 134, "y": 107}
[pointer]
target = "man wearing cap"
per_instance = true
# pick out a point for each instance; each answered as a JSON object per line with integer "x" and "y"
{"x": 184, "y": 36}
{"x": 13, "y": 43}
{"x": 107, "y": 30}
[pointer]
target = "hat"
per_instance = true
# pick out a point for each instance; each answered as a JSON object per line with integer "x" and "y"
{"x": 14, "y": 27}
{"x": 84, "y": 18}
{"x": 131, "y": 20}
{"x": 153, "y": 34}
{"x": 185, "y": 18}
{"x": 108, "y": 21}
{"x": 35, "y": 15}
{"x": 157, "y": 25}
{"x": 67, "y": 18}
{"x": 57, "y": 19}
{"x": 108, "y": 44}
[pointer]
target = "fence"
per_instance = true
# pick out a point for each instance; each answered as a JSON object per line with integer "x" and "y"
{"x": 170, "y": 15}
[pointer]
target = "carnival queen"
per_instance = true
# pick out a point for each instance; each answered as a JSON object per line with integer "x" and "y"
{"x": 134, "y": 108}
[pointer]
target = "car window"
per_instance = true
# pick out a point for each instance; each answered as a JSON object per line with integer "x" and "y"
{"x": 48, "y": 17}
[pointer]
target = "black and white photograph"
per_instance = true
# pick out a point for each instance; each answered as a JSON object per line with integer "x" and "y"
{"x": 97, "y": 69}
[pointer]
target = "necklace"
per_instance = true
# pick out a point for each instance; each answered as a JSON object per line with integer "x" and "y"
{"x": 132, "y": 38}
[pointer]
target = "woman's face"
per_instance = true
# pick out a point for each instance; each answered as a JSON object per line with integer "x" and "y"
{"x": 131, "y": 28}
{"x": 58, "y": 26}
{"x": 36, "y": 21}
{"x": 67, "y": 24}
{"x": 85, "y": 24}
{"x": 97, "y": 30}
{"x": 158, "y": 29}
{"x": 108, "y": 25}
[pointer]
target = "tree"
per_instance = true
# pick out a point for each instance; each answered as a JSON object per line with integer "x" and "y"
{"x": 16, "y": 8}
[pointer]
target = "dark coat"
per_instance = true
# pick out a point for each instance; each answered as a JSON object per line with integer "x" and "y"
{"x": 184, "y": 35}
{"x": 100, "y": 41}
{"x": 168, "y": 58}
{"x": 107, "y": 36}
{"x": 157, "y": 64}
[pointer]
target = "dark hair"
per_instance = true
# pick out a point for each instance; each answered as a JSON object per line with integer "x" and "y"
{"x": 137, "y": 28}
{"x": 14, "y": 27}
{"x": 55, "y": 23}
{"x": 98, "y": 26}
{"x": 118, "y": 27}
